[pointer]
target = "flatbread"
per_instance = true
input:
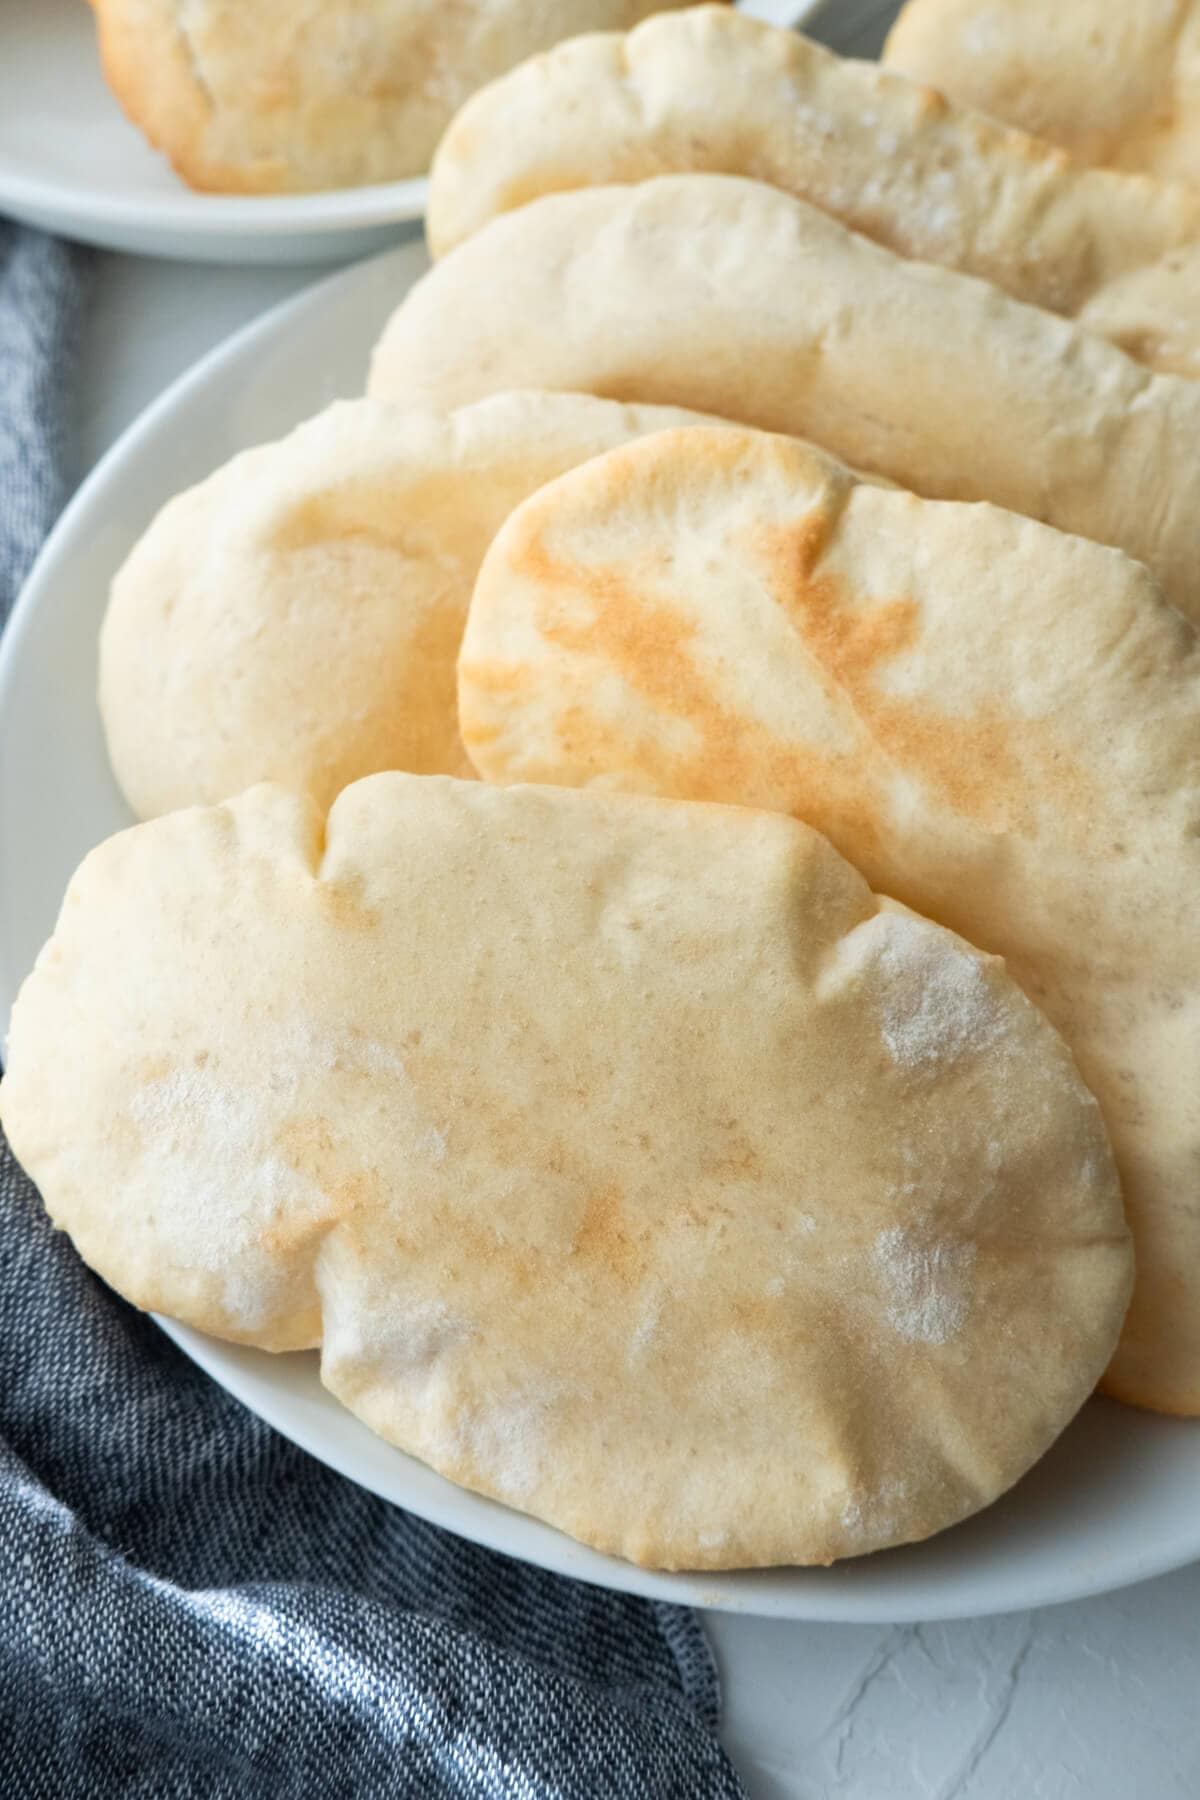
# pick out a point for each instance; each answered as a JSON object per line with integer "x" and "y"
{"x": 997, "y": 723}
{"x": 293, "y": 95}
{"x": 1115, "y": 81}
{"x": 710, "y": 90}
{"x": 296, "y": 616}
{"x": 631, "y": 1162}
{"x": 730, "y": 297}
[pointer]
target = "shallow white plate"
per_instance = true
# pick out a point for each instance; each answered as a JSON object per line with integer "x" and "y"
{"x": 71, "y": 162}
{"x": 1119, "y": 1497}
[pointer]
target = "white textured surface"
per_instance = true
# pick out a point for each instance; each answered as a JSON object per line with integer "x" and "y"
{"x": 1095, "y": 1701}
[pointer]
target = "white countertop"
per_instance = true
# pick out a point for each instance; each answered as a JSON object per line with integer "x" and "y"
{"x": 1094, "y": 1701}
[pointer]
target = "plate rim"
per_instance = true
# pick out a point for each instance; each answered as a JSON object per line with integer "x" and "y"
{"x": 731, "y": 1591}
{"x": 126, "y": 444}
{"x": 210, "y": 215}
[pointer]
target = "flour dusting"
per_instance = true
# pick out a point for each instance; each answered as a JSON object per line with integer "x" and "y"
{"x": 300, "y": 1045}
{"x": 713, "y": 1540}
{"x": 926, "y": 1286}
{"x": 871, "y": 1519}
{"x": 416, "y": 1338}
{"x": 1095, "y": 1170}
{"x": 233, "y": 1206}
{"x": 217, "y": 1174}
{"x": 983, "y": 34}
{"x": 935, "y": 1005}
{"x": 432, "y": 1143}
{"x": 509, "y": 1442}
{"x": 379, "y": 1336}
{"x": 646, "y": 1329}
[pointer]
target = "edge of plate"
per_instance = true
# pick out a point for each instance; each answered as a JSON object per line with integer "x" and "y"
{"x": 213, "y": 215}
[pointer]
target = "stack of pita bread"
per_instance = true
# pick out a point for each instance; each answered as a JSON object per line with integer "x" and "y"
{"x": 728, "y": 1128}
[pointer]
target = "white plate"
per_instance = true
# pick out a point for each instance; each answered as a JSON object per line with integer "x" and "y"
{"x": 1116, "y": 1500}
{"x": 71, "y": 162}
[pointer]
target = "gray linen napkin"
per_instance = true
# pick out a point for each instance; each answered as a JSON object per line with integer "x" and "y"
{"x": 192, "y": 1608}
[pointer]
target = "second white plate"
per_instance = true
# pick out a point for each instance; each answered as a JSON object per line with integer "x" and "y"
{"x": 72, "y": 163}
{"x": 1114, "y": 1502}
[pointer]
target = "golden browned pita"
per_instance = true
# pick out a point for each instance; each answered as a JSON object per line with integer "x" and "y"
{"x": 710, "y": 90}
{"x": 630, "y": 1162}
{"x": 997, "y": 723}
{"x": 730, "y": 297}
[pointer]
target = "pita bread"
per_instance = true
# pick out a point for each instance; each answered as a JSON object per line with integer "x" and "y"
{"x": 714, "y": 91}
{"x": 296, "y": 617}
{"x": 630, "y": 1161}
{"x": 1116, "y": 82}
{"x": 997, "y": 723}
{"x": 731, "y": 297}
{"x": 277, "y": 98}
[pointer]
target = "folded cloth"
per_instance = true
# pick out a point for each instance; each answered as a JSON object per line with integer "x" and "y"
{"x": 42, "y": 289}
{"x": 190, "y": 1606}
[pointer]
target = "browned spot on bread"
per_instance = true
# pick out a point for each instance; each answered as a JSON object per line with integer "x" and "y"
{"x": 651, "y": 645}
{"x": 737, "y": 1158}
{"x": 343, "y": 904}
{"x": 847, "y": 638}
{"x": 500, "y": 681}
{"x": 503, "y": 681}
{"x": 496, "y": 677}
{"x": 358, "y": 1191}
{"x": 755, "y": 1315}
{"x": 149, "y": 1069}
{"x": 606, "y": 1237}
{"x": 306, "y": 1144}
{"x": 973, "y": 761}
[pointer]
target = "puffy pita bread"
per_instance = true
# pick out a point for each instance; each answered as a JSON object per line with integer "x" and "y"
{"x": 631, "y": 1162}
{"x": 997, "y": 723}
{"x": 712, "y": 90}
{"x": 1115, "y": 81}
{"x": 280, "y": 97}
{"x": 731, "y": 297}
{"x": 296, "y": 616}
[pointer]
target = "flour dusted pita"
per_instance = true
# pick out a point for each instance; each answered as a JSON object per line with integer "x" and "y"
{"x": 712, "y": 90}
{"x": 270, "y": 98}
{"x": 1115, "y": 81}
{"x": 997, "y": 723}
{"x": 296, "y": 616}
{"x": 730, "y": 297}
{"x": 631, "y": 1162}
